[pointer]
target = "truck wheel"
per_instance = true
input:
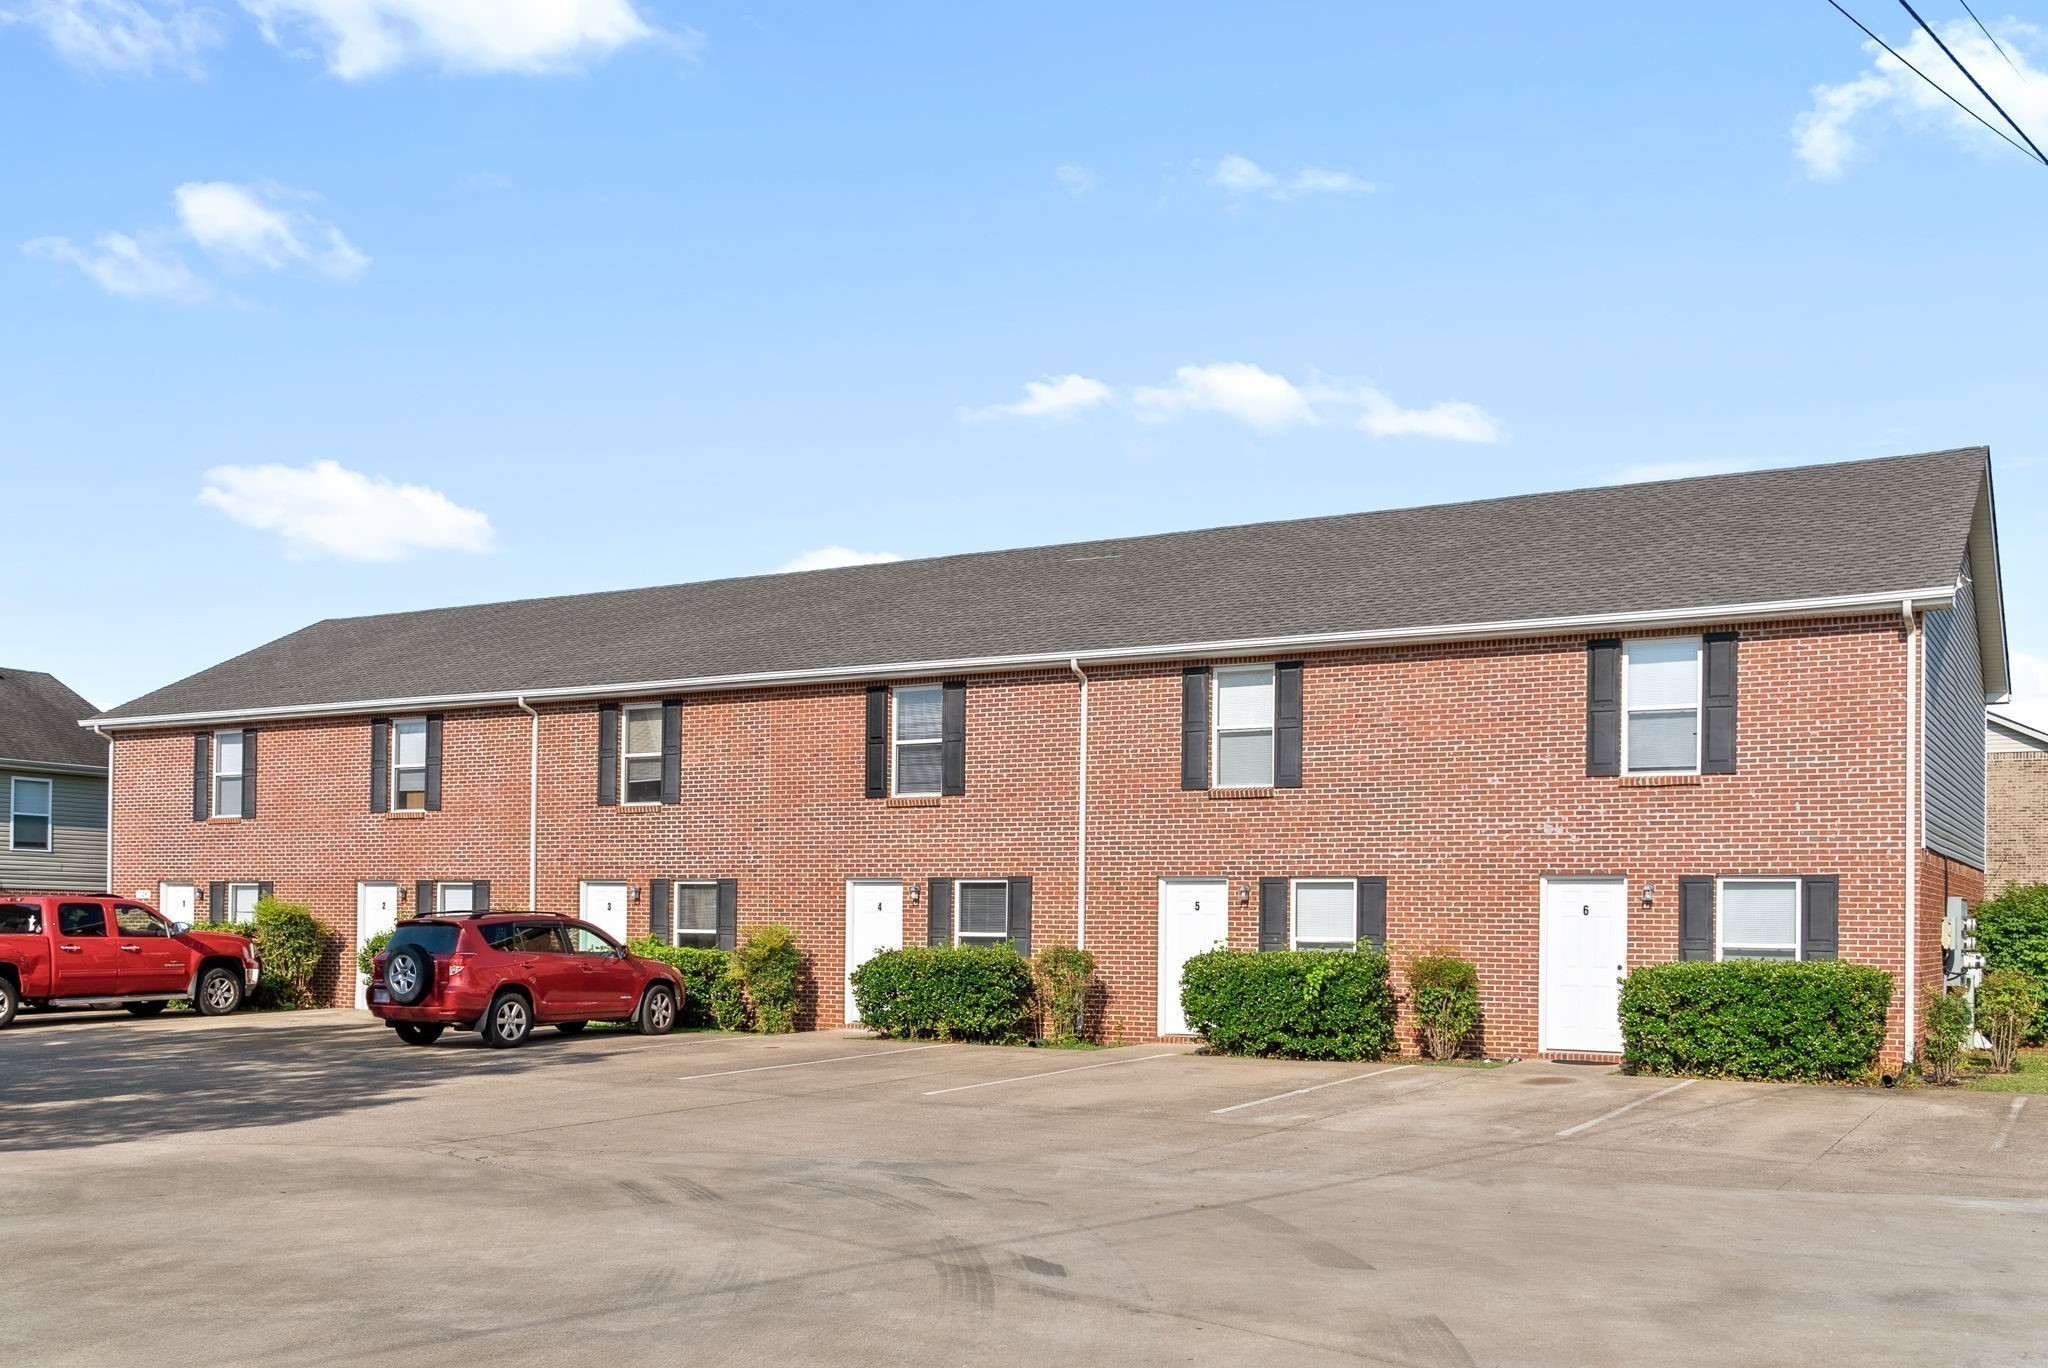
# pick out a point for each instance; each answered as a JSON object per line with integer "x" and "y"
{"x": 508, "y": 1023}
{"x": 420, "y": 1032}
{"x": 145, "y": 1009}
{"x": 220, "y": 992}
{"x": 658, "y": 1010}
{"x": 10, "y": 1000}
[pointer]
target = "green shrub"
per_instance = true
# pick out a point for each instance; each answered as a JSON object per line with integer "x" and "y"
{"x": 1299, "y": 1004}
{"x": 1064, "y": 977}
{"x": 1786, "y": 1019}
{"x": 729, "y": 1009}
{"x": 290, "y": 943}
{"x": 2007, "y": 1002}
{"x": 369, "y": 952}
{"x": 769, "y": 966}
{"x": 2012, "y": 933}
{"x": 964, "y": 992}
{"x": 1444, "y": 991}
{"x": 1944, "y": 1032}
{"x": 702, "y": 969}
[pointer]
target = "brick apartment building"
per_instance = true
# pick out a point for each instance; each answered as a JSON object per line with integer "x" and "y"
{"x": 1562, "y": 733}
{"x": 2016, "y": 770}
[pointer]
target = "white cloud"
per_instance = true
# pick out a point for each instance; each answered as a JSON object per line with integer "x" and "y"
{"x": 1243, "y": 176}
{"x": 326, "y": 509}
{"x": 1233, "y": 388}
{"x": 1060, "y": 396}
{"x": 1074, "y": 179}
{"x": 1453, "y": 421}
{"x": 120, "y": 35}
{"x": 143, "y": 267}
{"x": 242, "y": 227}
{"x": 1825, "y": 135}
{"x": 833, "y": 558}
{"x": 248, "y": 227}
{"x": 360, "y": 38}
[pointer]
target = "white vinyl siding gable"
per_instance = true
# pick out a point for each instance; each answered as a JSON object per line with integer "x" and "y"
{"x": 1660, "y": 706}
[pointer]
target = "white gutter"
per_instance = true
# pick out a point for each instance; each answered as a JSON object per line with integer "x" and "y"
{"x": 58, "y": 766}
{"x": 1081, "y": 822}
{"x": 532, "y": 806}
{"x": 1912, "y": 815}
{"x": 110, "y": 808}
{"x": 1938, "y": 597}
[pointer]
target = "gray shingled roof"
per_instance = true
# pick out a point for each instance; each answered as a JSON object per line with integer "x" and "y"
{"x": 39, "y": 720}
{"x": 1768, "y": 536}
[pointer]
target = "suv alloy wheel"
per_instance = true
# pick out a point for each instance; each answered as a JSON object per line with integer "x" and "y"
{"x": 658, "y": 1010}
{"x": 508, "y": 1023}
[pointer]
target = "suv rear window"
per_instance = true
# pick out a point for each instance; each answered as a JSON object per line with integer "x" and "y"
{"x": 17, "y": 920}
{"x": 436, "y": 938}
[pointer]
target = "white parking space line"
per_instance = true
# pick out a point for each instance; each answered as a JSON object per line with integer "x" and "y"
{"x": 1625, "y": 1107}
{"x": 1313, "y": 1087}
{"x": 1026, "y": 1078}
{"x": 803, "y": 1063}
{"x": 2012, "y": 1116}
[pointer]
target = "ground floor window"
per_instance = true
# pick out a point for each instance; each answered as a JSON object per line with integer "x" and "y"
{"x": 1325, "y": 914}
{"x": 984, "y": 911}
{"x": 242, "y": 900}
{"x": 696, "y": 914}
{"x": 1759, "y": 919}
{"x": 455, "y": 897}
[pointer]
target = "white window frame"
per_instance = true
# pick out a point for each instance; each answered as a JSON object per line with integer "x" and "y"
{"x": 48, "y": 814}
{"x": 628, "y": 755}
{"x": 675, "y": 902}
{"x": 440, "y": 906}
{"x": 1699, "y": 702}
{"x": 1217, "y": 730}
{"x": 1294, "y": 922}
{"x": 962, "y": 938}
{"x": 938, "y": 743}
{"x": 240, "y": 775}
{"x": 229, "y": 913}
{"x": 1798, "y": 912}
{"x": 397, "y": 769}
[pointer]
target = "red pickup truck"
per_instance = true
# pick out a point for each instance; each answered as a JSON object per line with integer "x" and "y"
{"x": 94, "y": 950}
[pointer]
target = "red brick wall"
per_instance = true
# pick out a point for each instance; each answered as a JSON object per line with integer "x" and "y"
{"x": 1455, "y": 771}
{"x": 2018, "y": 810}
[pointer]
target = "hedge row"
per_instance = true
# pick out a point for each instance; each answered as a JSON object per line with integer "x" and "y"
{"x": 1298, "y": 1004}
{"x": 964, "y": 992}
{"x": 711, "y": 995}
{"x": 1813, "y": 1020}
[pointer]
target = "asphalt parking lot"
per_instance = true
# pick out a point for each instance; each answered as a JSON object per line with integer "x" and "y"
{"x": 300, "y": 1189}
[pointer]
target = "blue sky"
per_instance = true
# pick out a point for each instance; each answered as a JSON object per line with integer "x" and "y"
{"x": 320, "y": 308}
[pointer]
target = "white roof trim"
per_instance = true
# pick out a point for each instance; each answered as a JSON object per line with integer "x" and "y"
{"x": 51, "y": 766}
{"x": 2012, "y": 724}
{"x": 1936, "y": 597}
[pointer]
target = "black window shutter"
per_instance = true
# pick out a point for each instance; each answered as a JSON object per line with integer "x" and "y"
{"x": 1287, "y": 724}
{"x": 1603, "y": 706}
{"x": 607, "y": 755}
{"x": 202, "y": 774}
{"x": 1272, "y": 914}
{"x": 878, "y": 740}
{"x": 1820, "y": 897}
{"x": 657, "y": 909}
{"x": 1194, "y": 727}
{"x": 266, "y": 889}
{"x": 728, "y": 913}
{"x": 480, "y": 895}
{"x": 953, "y": 734}
{"x": 380, "y": 764}
{"x": 938, "y": 904}
{"x": 248, "y": 773}
{"x": 433, "y": 762}
{"x": 423, "y": 898}
{"x": 217, "y": 901}
{"x": 1717, "y": 748}
{"x": 1695, "y": 919}
{"x": 1372, "y": 912}
{"x": 1020, "y": 916}
{"x": 672, "y": 750}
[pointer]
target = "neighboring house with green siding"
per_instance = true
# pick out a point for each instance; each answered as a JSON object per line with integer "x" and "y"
{"x": 53, "y": 779}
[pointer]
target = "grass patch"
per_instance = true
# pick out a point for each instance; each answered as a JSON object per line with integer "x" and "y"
{"x": 2029, "y": 1075}
{"x": 1459, "y": 1063}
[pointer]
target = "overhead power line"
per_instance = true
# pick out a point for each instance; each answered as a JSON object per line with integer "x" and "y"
{"x": 1929, "y": 31}
{"x": 1992, "y": 36}
{"x": 1996, "y": 131}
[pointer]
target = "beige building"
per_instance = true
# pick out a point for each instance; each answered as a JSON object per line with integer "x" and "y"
{"x": 2016, "y": 764}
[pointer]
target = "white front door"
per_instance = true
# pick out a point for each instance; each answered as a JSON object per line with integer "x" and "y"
{"x": 376, "y": 911}
{"x": 874, "y": 923}
{"x": 603, "y": 905}
{"x": 177, "y": 901}
{"x": 1194, "y": 917}
{"x": 1584, "y": 955}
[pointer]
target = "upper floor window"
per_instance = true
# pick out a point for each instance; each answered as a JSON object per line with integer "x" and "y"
{"x": 1660, "y": 701}
{"x": 1244, "y": 726}
{"x": 227, "y": 774}
{"x": 29, "y": 814}
{"x": 640, "y": 756}
{"x": 918, "y": 741}
{"x": 1325, "y": 914}
{"x": 409, "y": 768}
{"x": 696, "y": 914}
{"x": 1759, "y": 919}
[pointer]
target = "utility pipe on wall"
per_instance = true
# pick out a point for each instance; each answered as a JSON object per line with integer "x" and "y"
{"x": 532, "y": 803}
{"x": 110, "y": 808}
{"x": 1081, "y": 823}
{"x": 1912, "y": 817}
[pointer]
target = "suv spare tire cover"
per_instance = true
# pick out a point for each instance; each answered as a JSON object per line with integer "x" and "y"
{"x": 422, "y": 964}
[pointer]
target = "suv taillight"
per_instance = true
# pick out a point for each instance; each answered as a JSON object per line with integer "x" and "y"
{"x": 458, "y": 964}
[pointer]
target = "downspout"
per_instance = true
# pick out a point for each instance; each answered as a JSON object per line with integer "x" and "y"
{"x": 532, "y": 803}
{"x": 1081, "y": 821}
{"x": 1912, "y": 818}
{"x": 110, "y": 805}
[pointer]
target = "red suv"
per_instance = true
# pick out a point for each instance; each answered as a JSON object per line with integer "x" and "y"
{"x": 503, "y": 973}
